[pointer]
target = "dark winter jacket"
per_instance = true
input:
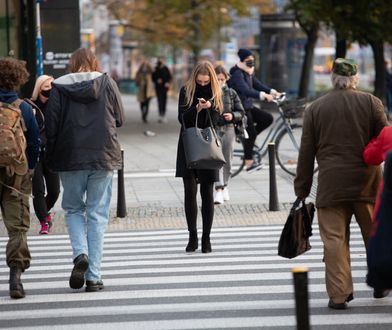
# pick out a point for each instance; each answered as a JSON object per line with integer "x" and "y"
{"x": 336, "y": 129}
{"x": 161, "y": 72}
{"x": 247, "y": 86}
{"x": 32, "y": 131}
{"x": 82, "y": 114}
{"x": 187, "y": 116}
{"x": 231, "y": 104}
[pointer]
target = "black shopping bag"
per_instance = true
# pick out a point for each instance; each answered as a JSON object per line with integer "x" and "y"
{"x": 294, "y": 239}
{"x": 379, "y": 247}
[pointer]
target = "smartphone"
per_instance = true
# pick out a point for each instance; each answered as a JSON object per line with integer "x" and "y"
{"x": 201, "y": 100}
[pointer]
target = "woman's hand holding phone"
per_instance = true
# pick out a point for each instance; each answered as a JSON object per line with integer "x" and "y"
{"x": 203, "y": 104}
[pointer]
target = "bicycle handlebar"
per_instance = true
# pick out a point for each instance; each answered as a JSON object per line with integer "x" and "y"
{"x": 279, "y": 99}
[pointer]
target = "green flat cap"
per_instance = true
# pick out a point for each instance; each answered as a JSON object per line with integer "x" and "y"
{"x": 345, "y": 67}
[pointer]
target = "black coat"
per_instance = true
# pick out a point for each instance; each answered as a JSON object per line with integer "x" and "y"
{"x": 82, "y": 114}
{"x": 188, "y": 115}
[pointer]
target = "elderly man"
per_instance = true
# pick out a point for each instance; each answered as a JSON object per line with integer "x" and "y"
{"x": 336, "y": 128}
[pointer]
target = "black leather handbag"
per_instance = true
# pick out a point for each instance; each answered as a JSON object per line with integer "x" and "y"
{"x": 203, "y": 149}
{"x": 294, "y": 239}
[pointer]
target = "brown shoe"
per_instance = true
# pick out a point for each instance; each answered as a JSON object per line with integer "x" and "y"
{"x": 16, "y": 287}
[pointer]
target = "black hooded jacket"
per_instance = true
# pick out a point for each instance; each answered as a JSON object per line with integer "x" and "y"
{"x": 82, "y": 114}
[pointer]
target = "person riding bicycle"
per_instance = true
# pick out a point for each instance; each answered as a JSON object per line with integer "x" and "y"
{"x": 248, "y": 88}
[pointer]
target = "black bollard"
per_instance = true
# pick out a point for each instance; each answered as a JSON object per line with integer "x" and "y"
{"x": 121, "y": 204}
{"x": 273, "y": 193}
{"x": 300, "y": 275}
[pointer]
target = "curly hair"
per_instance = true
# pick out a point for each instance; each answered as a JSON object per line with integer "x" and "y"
{"x": 13, "y": 73}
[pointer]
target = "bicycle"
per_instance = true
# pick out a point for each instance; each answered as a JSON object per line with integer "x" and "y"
{"x": 283, "y": 132}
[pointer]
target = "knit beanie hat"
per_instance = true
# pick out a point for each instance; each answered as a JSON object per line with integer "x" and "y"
{"x": 243, "y": 53}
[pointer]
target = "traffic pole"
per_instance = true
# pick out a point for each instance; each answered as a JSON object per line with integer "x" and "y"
{"x": 273, "y": 192}
{"x": 300, "y": 275}
{"x": 38, "y": 43}
{"x": 121, "y": 204}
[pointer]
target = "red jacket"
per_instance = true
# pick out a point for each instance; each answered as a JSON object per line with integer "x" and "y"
{"x": 374, "y": 154}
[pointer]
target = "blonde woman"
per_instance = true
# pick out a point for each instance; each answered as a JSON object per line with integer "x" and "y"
{"x": 46, "y": 183}
{"x": 201, "y": 94}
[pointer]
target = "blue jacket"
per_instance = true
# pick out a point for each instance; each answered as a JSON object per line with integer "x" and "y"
{"x": 32, "y": 132}
{"x": 247, "y": 86}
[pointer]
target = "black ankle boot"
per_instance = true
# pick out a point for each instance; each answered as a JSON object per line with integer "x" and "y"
{"x": 193, "y": 242}
{"x": 16, "y": 287}
{"x": 206, "y": 244}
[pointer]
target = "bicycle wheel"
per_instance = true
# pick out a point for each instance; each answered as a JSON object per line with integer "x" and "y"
{"x": 237, "y": 163}
{"x": 286, "y": 151}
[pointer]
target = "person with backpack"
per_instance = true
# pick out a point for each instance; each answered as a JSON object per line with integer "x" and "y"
{"x": 233, "y": 113}
{"x": 43, "y": 179}
{"x": 82, "y": 116}
{"x": 249, "y": 88}
{"x": 19, "y": 151}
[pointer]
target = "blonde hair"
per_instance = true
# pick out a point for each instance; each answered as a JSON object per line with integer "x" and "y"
{"x": 38, "y": 84}
{"x": 344, "y": 82}
{"x": 204, "y": 68}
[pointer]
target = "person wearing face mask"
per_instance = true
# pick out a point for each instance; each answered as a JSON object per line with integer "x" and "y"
{"x": 249, "y": 88}
{"x": 161, "y": 78}
{"x": 233, "y": 112}
{"x": 46, "y": 183}
{"x": 200, "y": 95}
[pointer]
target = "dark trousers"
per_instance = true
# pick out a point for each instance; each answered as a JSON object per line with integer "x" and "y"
{"x": 207, "y": 204}
{"x": 162, "y": 100}
{"x": 42, "y": 178}
{"x": 258, "y": 120}
{"x": 16, "y": 217}
{"x": 144, "y": 106}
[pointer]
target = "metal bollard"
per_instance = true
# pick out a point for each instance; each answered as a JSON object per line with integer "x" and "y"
{"x": 300, "y": 275}
{"x": 273, "y": 193}
{"x": 121, "y": 204}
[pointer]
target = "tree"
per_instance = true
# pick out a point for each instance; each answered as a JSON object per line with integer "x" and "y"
{"x": 307, "y": 14}
{"x": 185, "y": 24}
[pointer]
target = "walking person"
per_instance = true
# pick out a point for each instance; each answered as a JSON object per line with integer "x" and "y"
{"x": 233, "y": 112}
{"x": 374, "y": 154}
{"x": 15, "y": 178}
{"x": 44, "y": 180}
{"x": 200, "y": 95}
{"x": 83, "y": 112}
{"x": 249, "y": 88}
{"x": 161, "y": 78}
{"x": 336, "y": 129}
{"x": 145, "y": 88}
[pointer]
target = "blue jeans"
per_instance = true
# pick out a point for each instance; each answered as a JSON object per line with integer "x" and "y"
{"x": 86, "y": 201}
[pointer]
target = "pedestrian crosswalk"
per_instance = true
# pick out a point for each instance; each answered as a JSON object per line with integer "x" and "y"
{"x": 151, "y": 283}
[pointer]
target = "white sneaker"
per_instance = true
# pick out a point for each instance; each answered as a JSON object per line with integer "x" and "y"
{"x": 164, "y": 120}
{"x": 218, "y": 199}
{"x": 226, "y": 196}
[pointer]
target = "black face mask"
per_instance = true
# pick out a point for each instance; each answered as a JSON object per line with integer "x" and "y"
{"x": 250, "y": 63}
{"x": 45, "y": 93}
{"x": 203, "y": 89}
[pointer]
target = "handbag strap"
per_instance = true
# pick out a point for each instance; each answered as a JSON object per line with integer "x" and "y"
{"x": 197, "y": 118}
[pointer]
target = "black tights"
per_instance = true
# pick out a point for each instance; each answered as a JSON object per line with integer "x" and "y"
{"x": 207, "y": 204}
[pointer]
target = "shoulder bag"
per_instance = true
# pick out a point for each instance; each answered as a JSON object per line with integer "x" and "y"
{"x": 203, "y": 149}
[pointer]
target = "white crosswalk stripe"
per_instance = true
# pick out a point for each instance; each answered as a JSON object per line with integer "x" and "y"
{"x": 151, "y": 283}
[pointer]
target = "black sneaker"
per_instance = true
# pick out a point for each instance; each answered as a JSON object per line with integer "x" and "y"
{"x": 254, "y": 167}
{"x": 93, "y": 286}
{"x": 333, "y": 305}
{"x": 76, "y": 281}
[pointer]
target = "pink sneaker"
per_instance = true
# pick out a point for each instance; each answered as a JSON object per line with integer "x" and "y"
{"x": 44, "y": 228}
{"x": 48, "y": 219}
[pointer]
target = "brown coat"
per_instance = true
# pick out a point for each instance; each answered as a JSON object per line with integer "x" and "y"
{"x": 336, "y": 128}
